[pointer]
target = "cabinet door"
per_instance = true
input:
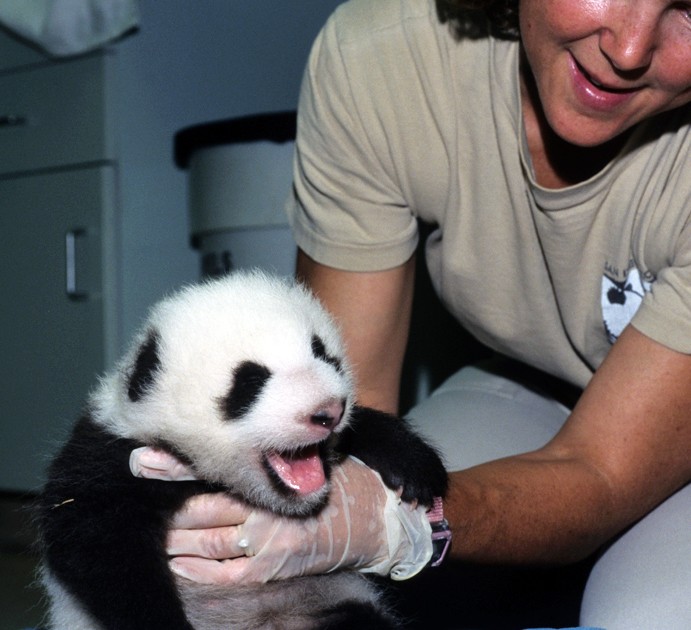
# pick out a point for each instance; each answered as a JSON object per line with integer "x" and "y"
{"x": 57, "y": 113}
{"x": 14, "y": 53}
{"x": 52, "y": 313}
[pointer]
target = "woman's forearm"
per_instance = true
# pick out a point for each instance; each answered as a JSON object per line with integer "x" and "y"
{"x": 601, "y": 472}
{"x": 528, "y": 509}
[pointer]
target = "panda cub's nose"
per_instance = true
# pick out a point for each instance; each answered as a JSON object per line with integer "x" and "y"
{"x": 330, "y": 415}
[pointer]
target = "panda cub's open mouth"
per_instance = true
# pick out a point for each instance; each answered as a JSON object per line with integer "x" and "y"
{"x": 300, "y": 471}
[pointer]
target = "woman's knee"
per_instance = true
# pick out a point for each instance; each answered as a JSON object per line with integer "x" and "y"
{"x": 643, "y": 580}
{"x": 477, "y": 416}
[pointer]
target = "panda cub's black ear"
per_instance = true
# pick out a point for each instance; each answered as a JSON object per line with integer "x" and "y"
{"x": 146, "y": 365}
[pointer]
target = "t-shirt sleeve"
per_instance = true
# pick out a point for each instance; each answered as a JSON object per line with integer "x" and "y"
{"x": 665, "y": 312}
{"x": 346, "y": 209}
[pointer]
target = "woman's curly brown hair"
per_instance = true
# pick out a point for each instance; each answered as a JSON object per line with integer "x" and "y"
{"x": 502, "y": 15}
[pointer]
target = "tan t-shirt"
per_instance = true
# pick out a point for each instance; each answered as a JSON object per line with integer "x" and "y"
{"x": 399, "y": 120}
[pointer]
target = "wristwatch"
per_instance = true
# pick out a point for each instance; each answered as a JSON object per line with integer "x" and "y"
{"x": 441, "y": 532}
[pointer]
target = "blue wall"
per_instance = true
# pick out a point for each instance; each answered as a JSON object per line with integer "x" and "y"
{"x": 192, "y": 61}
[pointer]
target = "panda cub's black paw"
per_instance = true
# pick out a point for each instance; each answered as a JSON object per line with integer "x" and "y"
{"x": 402, "y": 458}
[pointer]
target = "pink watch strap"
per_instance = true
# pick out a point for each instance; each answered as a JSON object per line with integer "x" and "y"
{"x": 441, "y": 533}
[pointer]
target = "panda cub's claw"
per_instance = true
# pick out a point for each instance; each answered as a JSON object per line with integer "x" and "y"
{"x": 404, "y": 460}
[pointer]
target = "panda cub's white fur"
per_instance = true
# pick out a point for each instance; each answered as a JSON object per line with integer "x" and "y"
{"x": 246, "y": 380}
{"x": 206, "y": 331}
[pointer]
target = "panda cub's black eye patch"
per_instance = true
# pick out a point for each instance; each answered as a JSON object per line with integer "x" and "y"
{"x": 146, "y": 365}
{"x": 249, "y": 379}
{"x": 319, "y": 351}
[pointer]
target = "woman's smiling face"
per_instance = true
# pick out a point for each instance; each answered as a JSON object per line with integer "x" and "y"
{"x": 601, "y": 66}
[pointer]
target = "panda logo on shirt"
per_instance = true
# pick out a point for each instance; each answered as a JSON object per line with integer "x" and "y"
{"x": 620, "y": 300}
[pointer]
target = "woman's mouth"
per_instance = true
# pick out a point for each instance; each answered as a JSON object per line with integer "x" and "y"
{"x": 595, "y": 94}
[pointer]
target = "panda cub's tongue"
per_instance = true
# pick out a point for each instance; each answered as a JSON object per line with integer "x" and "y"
{"x": 301, "y": 471}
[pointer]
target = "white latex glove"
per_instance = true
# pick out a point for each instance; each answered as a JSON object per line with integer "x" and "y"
{"x": 153, "y": 463}
{"x": 365, "y": 526}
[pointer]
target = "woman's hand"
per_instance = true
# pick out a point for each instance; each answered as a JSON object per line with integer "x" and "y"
{"x": 216, "y": 539}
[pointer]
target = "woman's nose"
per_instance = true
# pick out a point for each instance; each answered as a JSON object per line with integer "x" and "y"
{"x": 629, "y": 36}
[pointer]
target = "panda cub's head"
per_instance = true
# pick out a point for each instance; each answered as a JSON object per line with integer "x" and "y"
{"x": 246, "y": 379}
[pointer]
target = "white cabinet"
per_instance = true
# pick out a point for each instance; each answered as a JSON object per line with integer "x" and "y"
{"x": 54, "y": 115}
{"x": 14, "y": 55}
{"x": 59, "y": 268}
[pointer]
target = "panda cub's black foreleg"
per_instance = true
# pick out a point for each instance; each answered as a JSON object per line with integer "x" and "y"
{"x": 103, "y": 533}
{"x": 404, "y": 460}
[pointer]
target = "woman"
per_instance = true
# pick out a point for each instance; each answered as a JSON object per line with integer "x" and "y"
{"x": 550, "y": 155}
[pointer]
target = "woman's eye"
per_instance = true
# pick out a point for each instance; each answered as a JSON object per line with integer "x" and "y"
{"x": 684, "y": 8}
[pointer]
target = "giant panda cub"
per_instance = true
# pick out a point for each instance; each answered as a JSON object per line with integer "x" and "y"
{"x": 244, "y": 379}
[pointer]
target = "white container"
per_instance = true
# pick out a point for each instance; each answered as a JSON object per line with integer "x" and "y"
{"x": 240, "y": 176}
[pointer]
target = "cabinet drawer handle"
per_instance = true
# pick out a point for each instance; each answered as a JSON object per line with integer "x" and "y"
{"x": 71, "y": 286}
{"x": 12, "y": 120}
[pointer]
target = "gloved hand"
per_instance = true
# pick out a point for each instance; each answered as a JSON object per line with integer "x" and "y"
{"x": 154, "y": 463}
{"x": 216, "y": 539}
